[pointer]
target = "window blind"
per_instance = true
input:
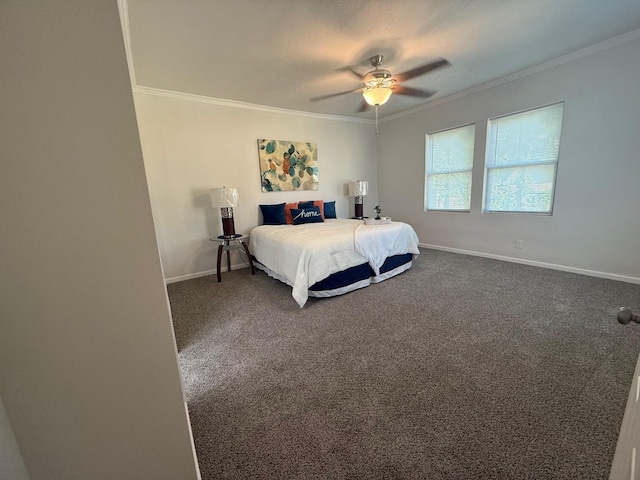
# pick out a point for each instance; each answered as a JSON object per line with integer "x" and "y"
{"x": 448, "y": 173}
{"x": 521, "y": 161}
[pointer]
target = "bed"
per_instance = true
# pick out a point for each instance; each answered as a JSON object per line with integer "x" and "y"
{"x": 333, "y": 257}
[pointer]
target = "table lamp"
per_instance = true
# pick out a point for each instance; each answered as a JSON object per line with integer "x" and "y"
{"x": 358, "y": 189}
{"x": 225, "y": 198}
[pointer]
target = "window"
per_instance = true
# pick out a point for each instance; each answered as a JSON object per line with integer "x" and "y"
{"x": 449, "y": 163}
{"x": 522, "y": 158}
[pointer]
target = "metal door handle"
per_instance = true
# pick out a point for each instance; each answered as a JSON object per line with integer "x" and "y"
{"x": 625, "y": 315}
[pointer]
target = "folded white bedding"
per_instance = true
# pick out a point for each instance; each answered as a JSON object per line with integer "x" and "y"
{"x": 377, "y": 242}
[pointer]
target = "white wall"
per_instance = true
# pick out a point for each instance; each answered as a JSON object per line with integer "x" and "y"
{"x": 191, "y": 145}
{"x": 88, "y": 370}
{"x": 11, "y": 463}
{"x": 595, "y": 223}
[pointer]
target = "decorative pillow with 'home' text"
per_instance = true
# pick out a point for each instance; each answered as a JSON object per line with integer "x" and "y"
{"x": 306, "y": 215}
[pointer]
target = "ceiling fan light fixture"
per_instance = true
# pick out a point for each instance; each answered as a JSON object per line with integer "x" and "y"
{"x": 377, "y": 95}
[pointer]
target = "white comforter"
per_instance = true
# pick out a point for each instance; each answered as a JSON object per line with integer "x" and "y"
{"x": 302, "y": 255}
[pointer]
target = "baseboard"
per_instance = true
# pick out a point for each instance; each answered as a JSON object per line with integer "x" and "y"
{"x": 552, "y": 266}
{"x": 524, "y": 261}
{"x": 205, "y": 273}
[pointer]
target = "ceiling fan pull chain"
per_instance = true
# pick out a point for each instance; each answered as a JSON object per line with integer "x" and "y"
{"x": 376, "y": 109}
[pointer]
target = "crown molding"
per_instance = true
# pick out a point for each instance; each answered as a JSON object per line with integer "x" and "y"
{"x": 590, "y": 50}
{"x": 123, "y": 7}
{"x": 159, "y": 92}
{"x": 569, "y": 57}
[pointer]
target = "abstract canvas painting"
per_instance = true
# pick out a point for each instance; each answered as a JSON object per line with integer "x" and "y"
{"x": 287, "y": 166}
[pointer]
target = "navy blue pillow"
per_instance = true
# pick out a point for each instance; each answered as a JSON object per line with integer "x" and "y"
{"x": 329, "y": 210}
{"x": 273, "y": 214}
{"x": 306, "y": 204}
{"x": 306, "y": 215}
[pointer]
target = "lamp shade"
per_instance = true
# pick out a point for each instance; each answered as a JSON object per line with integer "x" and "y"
{"x": 377, "y": 95}
{"x": 224, "y": 197}
{"x": 358, "y": 188}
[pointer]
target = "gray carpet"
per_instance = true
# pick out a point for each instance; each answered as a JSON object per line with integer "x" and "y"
{"x": 461, "y": 368}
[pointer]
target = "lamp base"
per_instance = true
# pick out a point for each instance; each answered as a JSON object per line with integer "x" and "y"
{"x": 359, "y": 210}
{"x": 228, "y": 227}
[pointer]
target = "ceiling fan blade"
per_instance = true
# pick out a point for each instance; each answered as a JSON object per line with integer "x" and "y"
{"x": 349, "y": 68}
{"x": 363, "y": 107}
{"x": 413, "y": 92}
{"x": 421, "y": 70}
{"x": 323, "y": 97}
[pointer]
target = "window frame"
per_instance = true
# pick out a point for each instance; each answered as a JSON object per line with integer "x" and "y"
{"x": 429, "y": 161}
{"x": 489, "y": 148}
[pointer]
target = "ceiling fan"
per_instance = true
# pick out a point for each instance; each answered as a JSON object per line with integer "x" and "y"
{"x": 379, "y": 84}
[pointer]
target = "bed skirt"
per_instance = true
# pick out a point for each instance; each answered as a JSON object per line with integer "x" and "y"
{"x": 352, "y": 278}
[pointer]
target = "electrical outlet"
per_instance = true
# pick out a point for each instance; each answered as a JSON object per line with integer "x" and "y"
{"x": 518, "y": 243}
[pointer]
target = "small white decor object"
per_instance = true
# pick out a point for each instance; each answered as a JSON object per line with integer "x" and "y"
{"x": 377, "y": 221}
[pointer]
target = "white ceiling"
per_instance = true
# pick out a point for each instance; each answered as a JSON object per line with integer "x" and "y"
{"x": 280, "y": 53}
